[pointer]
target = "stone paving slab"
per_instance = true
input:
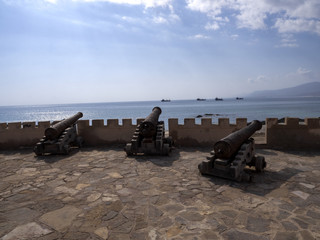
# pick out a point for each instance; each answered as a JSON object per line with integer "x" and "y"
{"x": 99, "y": 193}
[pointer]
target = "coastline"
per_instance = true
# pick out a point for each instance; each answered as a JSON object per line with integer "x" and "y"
{"x": 182, "y": 109}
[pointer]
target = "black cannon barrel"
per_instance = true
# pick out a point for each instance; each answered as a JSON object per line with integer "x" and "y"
{"x": 148, "y": 127}
{"x": 228, "y": 146}
{"x": 54, "y": 131}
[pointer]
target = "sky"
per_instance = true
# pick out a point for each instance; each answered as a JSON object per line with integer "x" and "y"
{"x": 81, "y": 51}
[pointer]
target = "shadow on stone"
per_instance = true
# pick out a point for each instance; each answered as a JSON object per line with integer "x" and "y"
{"x": 51, "y": 158}
{"x": 265, "y": 152}
{"x": 161, "y": 161}
{"x": 262, "y": 184}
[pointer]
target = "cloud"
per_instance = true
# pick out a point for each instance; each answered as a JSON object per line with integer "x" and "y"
{"x": 163, "y": 18}
{"x": 296, "y": 76}
{"x": 288, "y": 45}
{"x": 234, "y": 36}
{"x": 217, "y": 22}
{"x": 38, "y": 4}
{"x": 300, "y": 75}
{"x": 129, "y": 19}
{"x": 252, "y": 14}
{"x": 160, "y": 20}
{"x": 199, "y": 36}
{"x": 303, "y": 71}
{"x": 259, "y": 79}
{"x": 212, "y": 8}
{"x": 298, "y": 25}
{"x": 286, "y": 16}
{"x": 288, "y": 41}
{"x": 289, "y": 16}
{"x": 212, "y": 26}
{"x": 146, "y": 3}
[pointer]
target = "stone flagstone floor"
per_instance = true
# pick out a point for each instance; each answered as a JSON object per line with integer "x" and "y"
{"x": 99, "y": 193}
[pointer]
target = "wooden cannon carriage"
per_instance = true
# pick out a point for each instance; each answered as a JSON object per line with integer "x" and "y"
{"x": 233, "y": 153}
{"x": 149, "y": 137}
{"x": 60, "y": 137}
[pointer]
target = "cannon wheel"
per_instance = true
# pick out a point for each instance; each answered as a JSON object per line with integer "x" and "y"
{"x": 165, "y": 149}
{"x": 66, "y": 149}
{"x": 260, "y": 163}
{"x": 128, "y": 149}
{"x": 79, "y": 142}
{"x": 168, "y": 140}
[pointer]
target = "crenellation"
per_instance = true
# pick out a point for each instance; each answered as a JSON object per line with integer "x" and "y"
{"x": 293, "y": 135}
{"x": 28, "y": 125}
{"x": 291, "y": 122}
{"x": 241, "y": 122}
{"x": 14, "y": 125}
{"x": 19, "y": 134}
{"x": 3, "y": 125}
{"x": 44, "y": 124}
{"x": 113, "y": 123}
{"x": 98, "y": 123}
{"x": 127, "y": 122}
{"x": 288, "y": 135}
{"x": 83, "y": 123}
{"x": 224, "y": 122}
{"x": 270, "y": 122}
{"x": 189, "y": 122}
{"x": 312, "y": 122}
{"x": 204, "y": 134}
{"x": 100, "y": 134}
{"x": 173, "y": 122}
{"x": 139, "y": 120}
{"x": 206, "y": 122}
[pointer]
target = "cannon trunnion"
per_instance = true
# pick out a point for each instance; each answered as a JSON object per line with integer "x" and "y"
{"x": 149, "y": 137}
{"x": 232, "y": 154}
{"x": 60, "y": 137}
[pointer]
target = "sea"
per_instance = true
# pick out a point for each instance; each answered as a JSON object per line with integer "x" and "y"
{"x": 252, "y": 109}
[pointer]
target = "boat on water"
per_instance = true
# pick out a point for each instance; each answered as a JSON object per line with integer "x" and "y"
{"x": 165, "y": 100}
{"x": 201, "y": 99}
{"x": 218, "y": 99}
{"x": 239, "y": 98}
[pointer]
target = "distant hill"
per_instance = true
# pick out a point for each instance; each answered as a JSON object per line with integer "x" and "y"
{"x": 305, "y": 90}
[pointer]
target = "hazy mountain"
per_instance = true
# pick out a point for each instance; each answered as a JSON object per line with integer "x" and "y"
{"x": 304, "y": 90}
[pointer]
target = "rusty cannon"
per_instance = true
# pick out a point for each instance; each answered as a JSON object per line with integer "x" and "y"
{"x": 60, "y": 137}
{"x": 233, "y": 153}
{"x": 149, "y": 137}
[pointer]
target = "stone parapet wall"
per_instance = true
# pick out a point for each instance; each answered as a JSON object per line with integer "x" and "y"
{"x": 288, "y": 135}
{"x": 21, "y": 134}
{"x": 100, "y": 134}
{"x": 293, "y": 134}
{"x": 204, "y": 134}
{"x": 27, "y": 134}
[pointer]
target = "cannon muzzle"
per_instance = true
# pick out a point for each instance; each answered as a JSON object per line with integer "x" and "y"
{"x": 148, "y": 127}
{"x": 228, "y": 146}
{"x": 54, "y": 131}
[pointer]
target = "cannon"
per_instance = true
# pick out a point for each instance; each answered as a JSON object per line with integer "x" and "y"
{"x": 60, "y": 137}
{"x": 233, "y": 153}
{"x": 148, "y": 127}
{"x": 149, "y": 137}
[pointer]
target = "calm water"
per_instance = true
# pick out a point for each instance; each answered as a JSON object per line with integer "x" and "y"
{"x": 251, "y": 109}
